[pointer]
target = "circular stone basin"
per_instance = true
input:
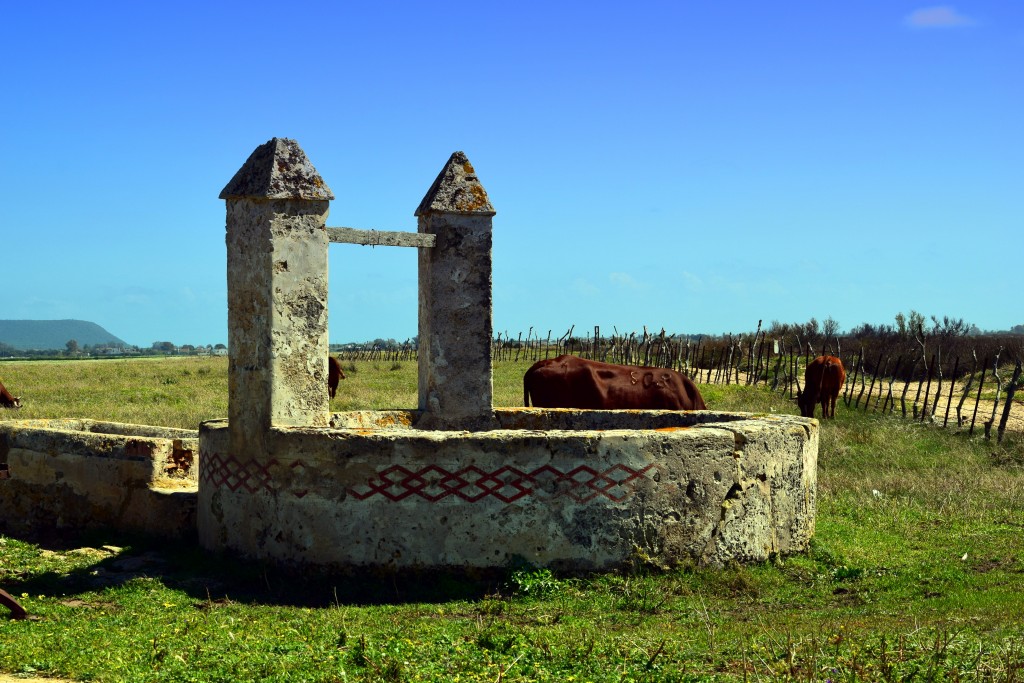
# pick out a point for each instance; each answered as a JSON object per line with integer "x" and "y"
{"x": 573, "y": 490}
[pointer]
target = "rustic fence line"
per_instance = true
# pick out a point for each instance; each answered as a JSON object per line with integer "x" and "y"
{"x": 924, "y": 380}
{"x": 380, "y": 354}
{"x": 926, "y": 405}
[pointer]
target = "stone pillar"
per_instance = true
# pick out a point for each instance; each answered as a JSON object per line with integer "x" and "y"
{"x": 455, "y": 324}
{"x": 277, "y": 207}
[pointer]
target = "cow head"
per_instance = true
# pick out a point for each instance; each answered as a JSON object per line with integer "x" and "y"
{"x": 806, "y": 403}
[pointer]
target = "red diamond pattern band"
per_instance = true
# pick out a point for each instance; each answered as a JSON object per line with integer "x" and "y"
{"x": 433, "y": 483}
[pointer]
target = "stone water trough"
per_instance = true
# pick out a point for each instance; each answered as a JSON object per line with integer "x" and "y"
{"x": 567, "y": 489}
{"x": 72, "y": 474}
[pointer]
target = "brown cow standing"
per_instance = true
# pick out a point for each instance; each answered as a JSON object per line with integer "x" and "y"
{"x": 8, "y": 401}
{"x": 572, "y": 382}
{"x": 823, "y": 380}
{"x": 334, "y": 373}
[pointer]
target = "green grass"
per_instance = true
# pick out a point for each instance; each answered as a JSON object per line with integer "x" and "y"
{"x": 170, "y": 392}
{"x": 184, "y": 391}
{"x": 916, "y": 571}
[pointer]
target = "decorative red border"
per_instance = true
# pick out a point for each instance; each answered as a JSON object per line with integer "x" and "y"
{"x": 433, "y": 483}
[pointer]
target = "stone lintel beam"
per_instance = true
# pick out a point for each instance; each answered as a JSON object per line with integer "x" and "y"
{"x": 380, "y": 238}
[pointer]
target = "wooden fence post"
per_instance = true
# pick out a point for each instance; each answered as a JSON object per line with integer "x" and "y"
{"x": 871, "y": 388}
{"x": 778, "y": 365}
{"x": 928, "y": 388}
{"x": 750, "y": 355}
{"x": 853, "y": 382}
{"x": 952, "y": 386}
{"x": 995, "y": 403}
{"x": 1010, "y": 391}
{"x": 889, "y": 401}
{"x": 977, "y": 399}
{"x": 906, "y": 385}
{"x": 760, "y": 353}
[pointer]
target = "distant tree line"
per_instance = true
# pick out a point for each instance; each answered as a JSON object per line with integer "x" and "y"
{"x": 72, "y": 349}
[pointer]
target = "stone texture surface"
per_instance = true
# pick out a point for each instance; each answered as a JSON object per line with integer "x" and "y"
{"x": 457, "y": 189}
{"x": 83, "y": 474}
{"x": 277, "y": 314}
{"x": 277, "y": 169}
{"x": 379, "y": 492}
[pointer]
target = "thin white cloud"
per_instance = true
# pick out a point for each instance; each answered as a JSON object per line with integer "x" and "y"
{"x": 624, "y": 280}
{"x": 584, "y": 287}
{"x": 692, "y": 282}
{"x": 130, "y": 299}
{"x": 940, "y": 16}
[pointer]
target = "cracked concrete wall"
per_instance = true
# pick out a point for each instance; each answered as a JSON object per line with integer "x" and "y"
{"x": 82, "y": 474}
{"x": 378, "y": 492}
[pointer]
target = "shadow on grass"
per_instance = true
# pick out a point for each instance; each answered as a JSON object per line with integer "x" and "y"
{"x": 215, "y": 578}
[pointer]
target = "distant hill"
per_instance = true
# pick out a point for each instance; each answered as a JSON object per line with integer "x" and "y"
{"x": 25, "y": 335}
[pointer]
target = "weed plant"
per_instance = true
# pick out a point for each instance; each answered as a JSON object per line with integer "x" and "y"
{"x": 916, "y": 572}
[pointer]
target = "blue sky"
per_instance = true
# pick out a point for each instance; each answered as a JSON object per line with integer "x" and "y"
{"x": 693, "y": 166}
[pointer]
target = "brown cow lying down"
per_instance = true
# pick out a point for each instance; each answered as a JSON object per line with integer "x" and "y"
{"x": 334, "y": 373}
{"x": 823, "y": 380}
{"x": 8, "y": 401}
{"x": 572, "y": 382}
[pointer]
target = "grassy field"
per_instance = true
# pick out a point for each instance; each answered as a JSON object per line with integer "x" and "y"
{"x": 182, "y": 391}
{"x": 916, "y": 571}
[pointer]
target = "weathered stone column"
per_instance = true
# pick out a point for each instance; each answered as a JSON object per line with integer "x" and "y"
{"x": 277, "y": 207}
{"x": 455, "y": 324}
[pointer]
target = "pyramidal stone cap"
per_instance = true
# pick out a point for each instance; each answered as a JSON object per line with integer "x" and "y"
{"x": 277, "y": 169}
{"x": 456, "y": 190}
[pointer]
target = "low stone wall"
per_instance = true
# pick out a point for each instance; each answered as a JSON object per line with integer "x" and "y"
{"x": 71, "y": 474}
{"x": 571, "y": 490}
